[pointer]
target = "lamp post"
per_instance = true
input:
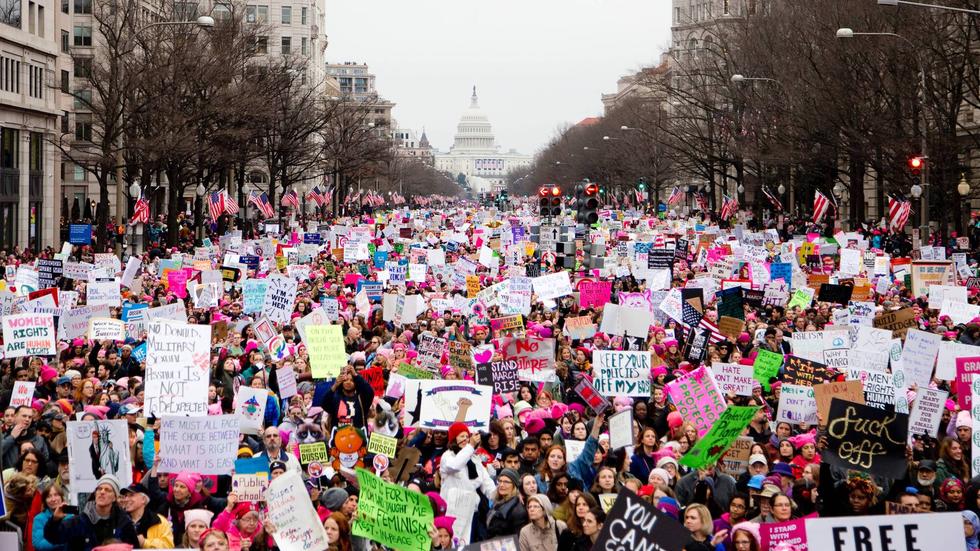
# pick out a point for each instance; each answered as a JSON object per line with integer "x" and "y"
{"x": 896, "y": 3}
{"x": 963, "y": 188}
{"x": 134, "y": 192}
{"x": 199, "y": 192}
{"x": 845, "y": 32}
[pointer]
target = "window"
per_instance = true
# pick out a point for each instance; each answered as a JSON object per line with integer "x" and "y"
{"x": 257, "y": 14}
{"x": 304, "y": 46}
{"x": 65, "y": 6}
{"x": 287, "y": 44}
{"x": 83, "y": 98}
{"x": 31, "y": 16}
{"x": 287, "y": 15}
{"x": 65, "y": 81}
{"x": 302, "y": 16}
{"x": 185, "y": 11}
{"x": 65, "y": 41}
{"x": 36, "y": 151}
{"x": 9, "y": 152}
{"x": 40, "y": 21}
{"x": 726, "y": 7}
{"x": 65, "y": 123}
{"x": 10, "y": 12}
{"x": 78, "y": 174}
{"x": 83, "y": 6}
{"x": 221, "y": 12}
{"x": 83, "y": 67}
{"x": 83, "y": 35}
{"x": 83, "y": 129}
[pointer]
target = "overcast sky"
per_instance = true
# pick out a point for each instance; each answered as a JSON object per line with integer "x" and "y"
{"x": 537, "y": 64}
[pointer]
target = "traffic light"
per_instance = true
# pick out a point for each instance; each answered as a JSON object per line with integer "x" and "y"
{"x": 587, "y": 202}
{"x": 550, "y": 200}
{"x": 915, "y": 165}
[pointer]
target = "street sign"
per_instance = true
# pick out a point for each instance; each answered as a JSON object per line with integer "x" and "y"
{"x": 549, "y": 236}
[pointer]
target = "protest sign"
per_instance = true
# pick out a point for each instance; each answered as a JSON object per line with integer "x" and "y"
{"x": 736, "y": 459}
{"x": 697, "y": 399}
{"x": 810, "y": 345}
{"x": 733, "y": 378}
{"x": 251, "y": 478}
{"x": 508, "y": 326}
{"x": 325, "y": 346}
{"x": 460, "y": 354}
{"x": 632, "y": 523}
{"x": 797, "y": 405}
{"x": 590, "y": 396}
{"x": 865, "y": 438}
{"x": 852, "y": 391}
{"x": 766, "y": 367}
{"x": 838, "y": 294}
{"x": 621, "y": 373}
{"x": 177, "y": 364}
{"x": 502, "y": 376}
{"x": 29, "y": 335}
{"x": 927, "y": 411}
{"x": 97, "y": 448}
{"x": 791, "y": 532}
{"x": 313, "y": 452}
{"x": 280, "y": 297}
{"x": 106, "y": 329}
{"x": 22, "y": 394}
{"x": 49, "y": 271}
{"x": 621, "y": 429}
{"x": 298, "y": 528}
{"x": 391, "y": 515}
{"x": 966, "y": 369}
{"x": 430, "y": 350}
{"x": 800, "y": 371}
{"x": 594, "y": 293}
{"x": 382, "y": 444}
{"x": 719, "y": 437}
{"x": 925, "y": 273}
{"x": 898, "y": 322}
{"x": 535, "y": 357}
{"x": 552, "y": 286}
{"x": 579, "y": 328}
{"x": 446, "y": 402}
{"x": 250, "y": 408}
{"x": 919, "y": 356}
{"x": 932, "y": 532}
{"x": 205, "y": 445}
{"x": 254, "y": 292}
{"x": 801, "y": 298}
{"x": 731, "y": 327}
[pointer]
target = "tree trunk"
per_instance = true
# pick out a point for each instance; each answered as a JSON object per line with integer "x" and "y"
{"x": 102, "y": 212}
{"x": 174, "y": 203}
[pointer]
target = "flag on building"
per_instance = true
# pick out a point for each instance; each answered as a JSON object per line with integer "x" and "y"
{"x": 231, "y": 205}
{"x": 216, "y": 204}
{"x": 261, "y": 202}
{"x": 141, "y": 211}
{"x": 290, "y": 199}
{"x": 821, "y": 204}
{"x": 898, "y": 213}
{"x": 773, "y": 198}
{"x": 729, "y": 206}
{"x": 676, "y": 195}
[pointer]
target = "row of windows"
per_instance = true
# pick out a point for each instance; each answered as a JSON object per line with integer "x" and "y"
{"x": 9, "y": 75}
{"x": 260, "y": 14}
{"x": 81, "y": 6}
{"x": 286, "y": 44}
{"x": 35, "y": 85}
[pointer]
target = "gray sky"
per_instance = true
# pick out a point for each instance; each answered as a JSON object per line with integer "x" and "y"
{"x": 537, "y": 64}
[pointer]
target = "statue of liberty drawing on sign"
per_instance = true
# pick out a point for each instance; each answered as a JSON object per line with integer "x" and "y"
{"x": 105, "y": 459}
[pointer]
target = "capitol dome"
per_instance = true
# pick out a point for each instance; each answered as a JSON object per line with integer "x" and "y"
{"x": 474, "y": 133}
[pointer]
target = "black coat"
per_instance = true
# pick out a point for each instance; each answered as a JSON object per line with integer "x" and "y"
{"x": 507, "y": 518}
{"x": 81, "y": 533}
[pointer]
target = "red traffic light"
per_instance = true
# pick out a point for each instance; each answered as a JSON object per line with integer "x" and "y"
{"x": 555, "y": 191}
{"x": 543, "y": 191}
{"x": 591, "y": 189}
{"x": 915, "y": 164}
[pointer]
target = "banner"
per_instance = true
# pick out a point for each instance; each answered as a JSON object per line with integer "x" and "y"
{"x": 932, "y": 532}
{"x": 97, "y": 448}
{"x": 716, "y": 441}
{"x": 697, "y": 399}
{"x": 621, "y": 373}
{"x": 178, "y": 356}
{"x": 446, "y": 402}
{"x": 29, "y": 335}
{"x": 298, "y": 528}
{"x": 206, "y": 445}
{"x": 325, "y": 346}
{"x": 594, "y": 293}
{"x": 635, "y": 524}
{"x": 867, "y": 439}
{"x": 393, "y": 516}
{"x": 535, "y": 358}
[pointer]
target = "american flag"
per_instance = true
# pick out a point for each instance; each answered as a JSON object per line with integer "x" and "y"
{"x": 317, "y": 196}
{"x": 898, "y": 213}
{"x": 702, "y": 202}
{"x": 141, "y": 211}
{"x": 290, "y": 199}
{"x": 716, "y": 335}
{"x": 676, "y": 195}
{"x": 821, "y": 204}
{"x": 261, "y": 202}
{"x": 216, "y": 204}
{"x": 773, "y": 198}
{"x": 729, "y": 207}
{"x": 231, "y": 205}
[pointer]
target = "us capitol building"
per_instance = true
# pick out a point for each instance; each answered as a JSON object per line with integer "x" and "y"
{"x": 475, "y": 155}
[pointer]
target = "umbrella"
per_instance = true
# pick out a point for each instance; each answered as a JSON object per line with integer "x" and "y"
{"x": 75, "y": 210}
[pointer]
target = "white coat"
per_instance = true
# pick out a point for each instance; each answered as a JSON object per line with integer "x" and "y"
{"x": 460, "y": 492}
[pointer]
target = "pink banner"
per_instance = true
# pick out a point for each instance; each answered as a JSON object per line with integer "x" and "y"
{"x": 792, "y": 532}
{"x": 966, "y": 368}
{"x": 594, "y": 293}
{"x": 697, "y": 398}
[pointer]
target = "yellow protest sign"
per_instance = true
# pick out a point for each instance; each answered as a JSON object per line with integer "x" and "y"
{"x": 472, "y": 286}
{"x": 382, "y": 445}
{"x": 325, "y": 345}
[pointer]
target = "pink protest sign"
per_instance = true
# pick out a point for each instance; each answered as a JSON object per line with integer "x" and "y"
{"x": 594, "y": 293}
{"x": 792, "y": 532}
{"x": 177, "y": 282}
{"x": 697, "y": 398}
{"x": 351, "y": 279}
{"x": 965, "y": 369}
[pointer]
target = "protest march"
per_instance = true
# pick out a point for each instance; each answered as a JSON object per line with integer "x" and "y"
{"x": 443, "y": 375}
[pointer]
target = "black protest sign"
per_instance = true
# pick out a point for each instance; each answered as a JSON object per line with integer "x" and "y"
{"x": 661, "y": 259}
{"x": 632, "y": 523}
{"x": 803, "y": 372}
{"x": 692, "y": 305}
{"x": 48, "y": 272}
{"x": 532, "y": 269}
{"x": 697, "y": 346}
{"x": 502, "y": 375}
{"x": 754, "y": 297}
{"x": 730, "y": 303}
{"x": 838, "y": 294}
{"x": 866, "y": 438}
{"x": 683, "y": 249}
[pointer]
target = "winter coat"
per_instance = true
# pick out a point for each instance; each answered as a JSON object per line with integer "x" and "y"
{"x": 460, "y": 491}
{"x": 37, "y": 533}
{"x": 86, "y": 530}
{"x": 506, "y": 518}
{"x": 533, "y": 538}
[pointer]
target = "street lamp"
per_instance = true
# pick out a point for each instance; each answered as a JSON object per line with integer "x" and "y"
{"x": 915, "y": 191}
{"x": 964, "y": 187}
{"x": 781, "y": 189}
{"x": 928, "y": 6}
{"x": 845, "y": 32}
{"x": 134, "y": 191}
{"x": 200, "y": 191}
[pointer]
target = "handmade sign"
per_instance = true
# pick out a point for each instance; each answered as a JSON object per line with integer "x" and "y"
{"x": 927, "y": 412}
{"x": 446, "y": 402}
{"x": 590, "y": 396}
{"x": 733, "y": 378}
{"x": 250, "y": 408}
{"x": 719, "y": 437}
{"x": 251, "y": 478}
{"x": 502, "y": 376}
{"x": 29, "y": 335}
{"x": 325, "y": 346}
{"x": 697, "y": 398}
{"x": 621, "y": 429}
{"x": 394, "y": 516}
{"x": 289, "y": 508}
{"x": 205, "y": 445}
{"x": 280, "y": 297}
{"x": 797, "y": 405}
{"x": 97, "y": 448}
{"x": 177, "y": 362}
{"x": 852, "y": 391}
{"x": 632, "y": 523}
{"x": 917, "y": 532}
{"x": 800, "y": 371}
{"x": 535, "y": 357}
{"x": 22, "y": 394}
{"x": 766, "y": 367}
{"x": 867, "y": 439}
{"x": 594, "y": 293}
{"x": 106, "y": 329}
{"x": 621, "y": 373}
